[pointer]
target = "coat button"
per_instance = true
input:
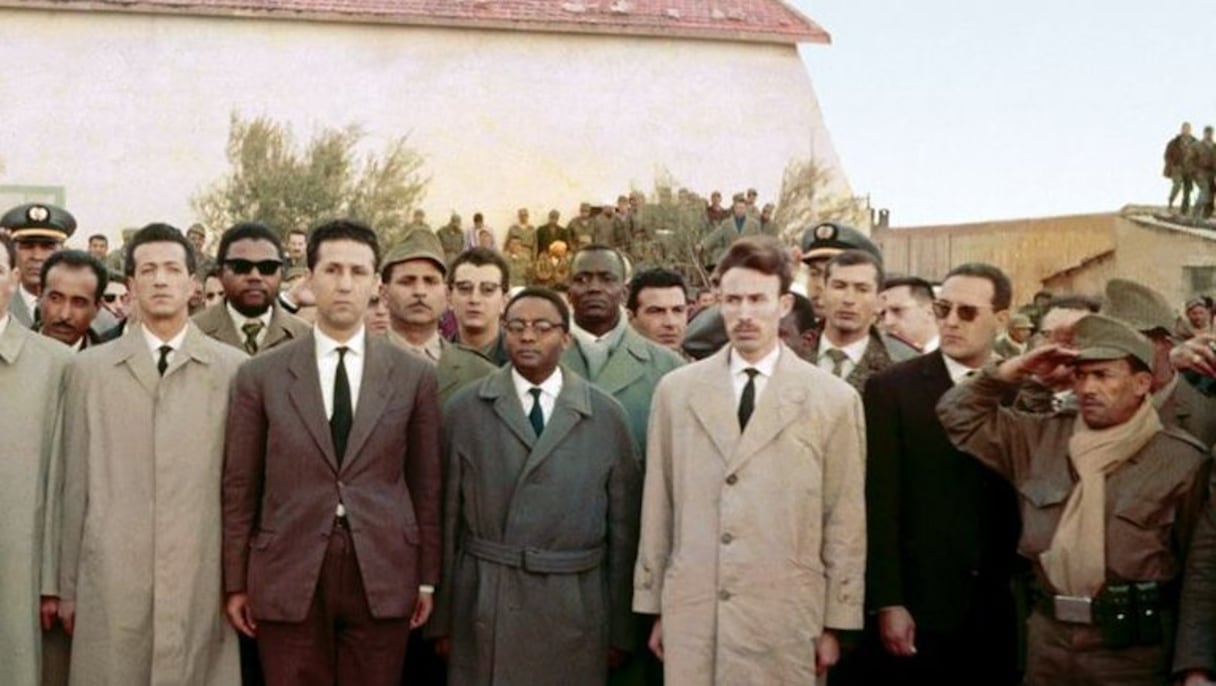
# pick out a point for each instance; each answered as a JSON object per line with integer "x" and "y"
{"x": 730, "y": 480}
{"x": 723, "y": 595}
{"x": 727, "y": 538}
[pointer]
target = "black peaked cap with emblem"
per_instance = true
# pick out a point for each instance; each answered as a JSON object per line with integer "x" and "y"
{"x": 829, "y": 239}
{"x": 38, "y": 221}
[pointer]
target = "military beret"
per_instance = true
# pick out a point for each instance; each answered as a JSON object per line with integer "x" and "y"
{"x": 38, "y": 222}
{"x": 1099, "y": 337}
{"x": 706, "y": 333}
{"x": 1138, "y": 306}
{"x": 830, "y": 239}
{"x": 417, "y": 245}
{"x": 1199, "y": 300}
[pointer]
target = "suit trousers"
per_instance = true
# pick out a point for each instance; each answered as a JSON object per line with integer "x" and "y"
{"x": 339, "y": 642}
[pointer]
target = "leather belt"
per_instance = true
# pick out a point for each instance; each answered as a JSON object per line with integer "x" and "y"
{"x": 534, "y": 559}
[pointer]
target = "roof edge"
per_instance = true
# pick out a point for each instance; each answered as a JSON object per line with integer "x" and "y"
{"x": 816, "y": 34}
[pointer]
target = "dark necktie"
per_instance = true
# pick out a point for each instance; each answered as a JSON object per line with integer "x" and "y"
{"x": 163, "y": 363}
{"x": 343, "y": 416}
{"x": 837, "y": 356}
{"x": 536, "y": 416}
{"x": 747, "y": 402}
{"x": 251, "y": 331}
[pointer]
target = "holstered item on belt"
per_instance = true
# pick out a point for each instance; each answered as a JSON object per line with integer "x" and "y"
{"x": 1115, "y": 616}
{"x": 1148, "y": 612}
{"x": 1125, "y": 614}
{"x": 534, "y": 559}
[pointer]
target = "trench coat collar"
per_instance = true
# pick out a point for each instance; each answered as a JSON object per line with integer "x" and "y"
{"x": 627, "y": 363}
{"x": 131, "y": 349}
{"x": 714, "y": 405}
{"x": 572, "y": 404}
{"x": 12, "y": 341}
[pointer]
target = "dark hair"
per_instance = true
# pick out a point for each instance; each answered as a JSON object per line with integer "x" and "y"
{"x": 658, "y": 277}
{"x": 158, "y": 233}
{"x": 1138, "y": 365}
{"x": 9, "y": 248}
{"x": 600, "y": 247}
{"x": 247, "y": 231}
{"x": 298, "y": 232}
{"x": 76, "y": 259}
{"x": 1074, "y": 301}
{"x": 855, "y": 258}
{"x": 342, "y": 230}
{"x": 99, "y": 237}
{"x": 478, "y": 217}
{"x": 920, "y": 289}
{"x": 214, "y": 271}
{"x": 764, "y": 254}
{"x": 802, "y": 313}
{"x": 481, "y": 257}
{"x": 544, "y": 294}
{"x": 1002, "y": 289}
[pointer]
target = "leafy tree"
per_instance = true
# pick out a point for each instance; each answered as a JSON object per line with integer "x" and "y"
{"x": 805, "y": 201}
{"x": 273, "y": 180}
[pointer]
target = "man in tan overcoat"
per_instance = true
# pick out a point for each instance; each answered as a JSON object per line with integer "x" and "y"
{"x": 30, "y": 370}
{"x": 143, "y": 438}
{"x": 752, "y": 546}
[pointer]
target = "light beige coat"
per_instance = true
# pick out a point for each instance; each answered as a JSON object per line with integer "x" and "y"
{"x": 140, "y": 551}
{"x": 751, "y": 544}
{"x": 31, "y": 367}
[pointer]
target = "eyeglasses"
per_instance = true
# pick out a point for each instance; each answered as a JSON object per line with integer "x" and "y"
{"x": 966, "y": 313}
{"x": 540, "y": 326}
{"x": 110, "y": 297}
{"x": 264, "y": 267}
{"x": 486, "y": 288}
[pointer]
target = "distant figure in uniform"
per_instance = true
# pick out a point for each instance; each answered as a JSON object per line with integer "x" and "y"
{"x": 525, "y": 232}
{"x": 38, "y": 230}
{"x": 581, "y": 229}
{"x": 1203, "y": 166}
{"x": 1199, "y": 314}
{"x": 550, "y": 231}
{"x": 451, "y": 237}
{"x": 1108, "y": 497}
{"x": 1176, "y": 169}
{"x": 731, "y": 229}
{"x": 297, "y": 245}
{"x": 1013, "y": 340}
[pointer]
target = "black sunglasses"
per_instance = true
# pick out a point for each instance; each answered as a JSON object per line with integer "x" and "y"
{"x": 966, "y": 313}
{"x": 110, "y": 297}
{"x": 264, "y": 267}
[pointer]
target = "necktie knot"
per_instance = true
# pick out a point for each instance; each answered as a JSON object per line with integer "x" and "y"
{"x": 163, "y": 363}
{"x": 251, "y": 330}
{"x": 838, "y": 358}
{"x": 536, "y": 416}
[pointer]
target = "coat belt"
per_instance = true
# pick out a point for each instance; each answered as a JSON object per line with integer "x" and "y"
{"x": 534, "y": 559}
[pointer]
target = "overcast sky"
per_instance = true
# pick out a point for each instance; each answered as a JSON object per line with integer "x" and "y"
{"x": 947, "y": 111}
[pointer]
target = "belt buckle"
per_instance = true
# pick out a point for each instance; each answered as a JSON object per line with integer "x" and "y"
{"x": 1073, "y": 609}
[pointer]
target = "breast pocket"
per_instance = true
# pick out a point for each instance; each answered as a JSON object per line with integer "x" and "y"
{"x": 1043, "y": 501}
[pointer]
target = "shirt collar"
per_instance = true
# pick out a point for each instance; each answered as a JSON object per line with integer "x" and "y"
{"x": 611, "y": 339}
{"x": 550, "y": 386}
{"x": 957, "y": 370}
{"x": 4, "y": 323}
{"x": 240, "y": 320}
{"x": 933, "y": 344}
{"x": 1163, "y": 394}
{"x": 765, "y": 365}
{"x": 31, "y": 300}
{"x": 854, "y": 351}
{"x": 327, "y": 345}
{"x": 154, "y": 342}
{"x": 431, "y": 350}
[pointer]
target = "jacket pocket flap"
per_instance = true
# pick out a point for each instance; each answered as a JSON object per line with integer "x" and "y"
{"x": 1044, "y": 493}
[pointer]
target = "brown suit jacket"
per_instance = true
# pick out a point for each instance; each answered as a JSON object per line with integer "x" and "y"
{"x": 282, "y": 482}
{"x": 284, "y": 327}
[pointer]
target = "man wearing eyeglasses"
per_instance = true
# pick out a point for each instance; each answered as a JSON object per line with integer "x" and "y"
{"x": 941, "y": 528}
{"x": 250, "y": 259}
{"x": 477, "y": 286}
{"x": 541, "y": 498}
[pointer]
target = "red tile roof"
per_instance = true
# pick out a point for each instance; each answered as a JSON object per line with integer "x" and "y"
{"x": 766, "y": 21}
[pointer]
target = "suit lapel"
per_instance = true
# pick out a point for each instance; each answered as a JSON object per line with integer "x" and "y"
{"x": 447, "y": 368}
{"x": 374, "y": 392}
{"x": 11, "y": 342}
{"x": 625, "y": 365}
{"x": 777, "y": 406}
{"x": 132, "y": 349}
{"x": 499, "y": 389}
{"x": 278, "y": 332}
{"x": 573, "y": 403}
{"x": 714, "y": 405}
{"x": 305, "y": 394}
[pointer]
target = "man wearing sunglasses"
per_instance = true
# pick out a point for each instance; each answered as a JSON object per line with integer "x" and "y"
{"x": 941, "y": 527}
{"x": 250, "y": 259}
{"x": 541, "y": 498}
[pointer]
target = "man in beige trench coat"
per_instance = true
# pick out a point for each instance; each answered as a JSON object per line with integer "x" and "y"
{"x": 143, "y": 439}
{"x": 30, "y": 370}
{"x": 753, "y": 517}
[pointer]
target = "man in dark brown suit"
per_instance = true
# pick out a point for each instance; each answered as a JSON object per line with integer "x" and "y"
{"x": 331, "y": 486}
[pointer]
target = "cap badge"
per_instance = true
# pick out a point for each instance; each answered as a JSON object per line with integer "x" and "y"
{"x": 38, "y": 213}
{"x": 825, "y": 232}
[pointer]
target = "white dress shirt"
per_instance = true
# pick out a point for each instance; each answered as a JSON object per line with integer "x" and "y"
{"x": 30, "y": 300}
{"x": 239, "y": 321}
{"x": 327, "y": 366}
{"x": 738, "y": 376}
{"x": 154, "y": 343}
{"x": 853, "y": 353}
{"x": 957, "y": 370}
{"x": 549, "y": 389}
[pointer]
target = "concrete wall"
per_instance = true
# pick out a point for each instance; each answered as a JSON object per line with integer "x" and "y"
{"x": 1158, "y": 255}
{"x": 129, "y": 112}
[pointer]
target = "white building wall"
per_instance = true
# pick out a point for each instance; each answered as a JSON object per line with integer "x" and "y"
{"x": 130, "y": 112}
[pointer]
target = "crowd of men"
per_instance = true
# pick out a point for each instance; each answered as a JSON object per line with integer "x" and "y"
{"x": 1190, "y": 165}
{"x": 818, "y": 471}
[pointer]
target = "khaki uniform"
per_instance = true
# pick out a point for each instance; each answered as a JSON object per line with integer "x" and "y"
{"x": 526, "y": 235}
{"x": 452, "y": 240}
{"x": 581, "y": 232}
{"x": 520, "y": 265}
{"x": 1153, "y": 501}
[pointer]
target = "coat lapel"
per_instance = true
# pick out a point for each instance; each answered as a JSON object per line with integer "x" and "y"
{"x": 714, "y": 405}
{"x": 194, "y": 348}
{"x": 499, "y": 389}
{"x": 573, "y": 403}
{"x": 132, "y": 349}
{"x": 11, "y": 342}
{"x": 305, "y": 394}
{"x": 374, "y": 391}
{"x": 777, "y": 406}
{"x": 626, "y": 364}
{"x": 278, "y": 332}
